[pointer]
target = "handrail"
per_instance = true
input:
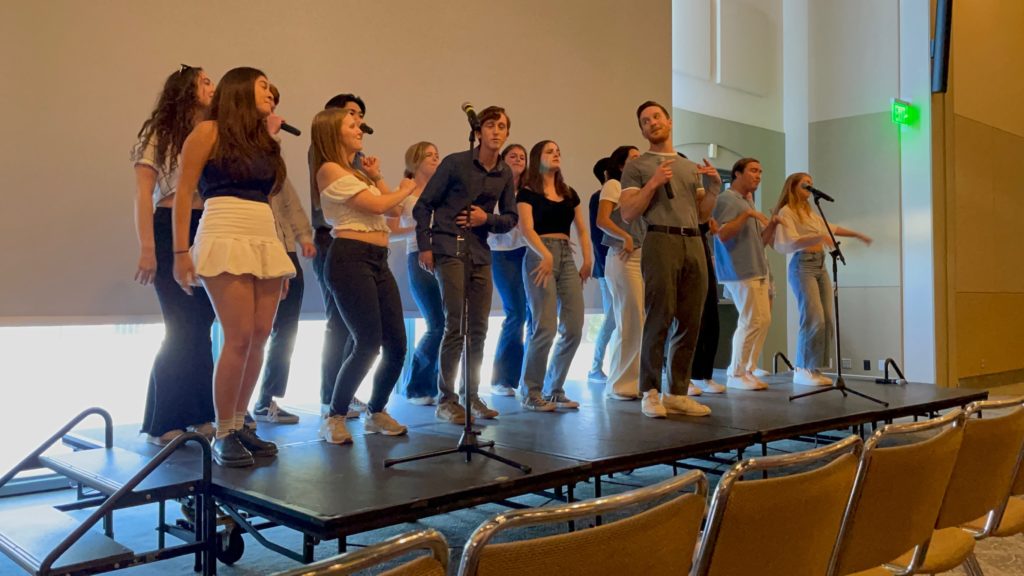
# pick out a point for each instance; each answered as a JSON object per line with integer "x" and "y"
{"x": 32, "y": 460}
{"x": 886, "y": 380}
{"x": 775, "y": 362}
{"x": 111, "y": 503}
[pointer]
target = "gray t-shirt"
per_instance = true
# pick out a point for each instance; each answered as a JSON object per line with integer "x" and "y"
{"x": 680, "y": 211}
{"x": 742, "y": 257}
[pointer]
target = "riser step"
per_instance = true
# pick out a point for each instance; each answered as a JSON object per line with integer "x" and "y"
{"x": 28, "y": 535}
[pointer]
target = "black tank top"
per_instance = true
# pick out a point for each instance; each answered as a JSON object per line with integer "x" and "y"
{"x": 217, "y": 181}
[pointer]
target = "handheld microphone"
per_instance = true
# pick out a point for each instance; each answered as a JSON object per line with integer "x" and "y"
{"x": 667, "y": 186}
{"x": 818, "y": 194}
{"x": 290, "y": 129}
{"x": 366, "y": 128}
{"x": 474, "y": 122}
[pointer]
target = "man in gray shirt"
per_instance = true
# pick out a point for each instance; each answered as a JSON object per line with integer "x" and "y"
{"x": 743, "y": 268}
{"x": 665, "y": 189}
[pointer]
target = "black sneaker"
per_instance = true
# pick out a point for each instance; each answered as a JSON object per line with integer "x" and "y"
{"x": 230, "y": 452}
{"x": 255, "y": 444}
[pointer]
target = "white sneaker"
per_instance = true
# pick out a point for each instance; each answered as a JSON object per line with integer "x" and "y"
{"x": 334, "y": 431}
{"x": 651, "y": 405}
{"x": 693, "y": 390}
{"x": 761, "y": 384}
{"x": 804, "y": 377}
{"x": 745, "y": 382}
{"x": 623, "y": 397}
{"x": 825, "y": 380}
{"x": 421, "y": 400}
{"x": 709, "y": 386}
{"x": 382, "y": 423}
{"x": 684, "y": 405}
{"x": 502, "y": 390}
{"x": 165, "y": 438}
{"x": 759, "y": 373}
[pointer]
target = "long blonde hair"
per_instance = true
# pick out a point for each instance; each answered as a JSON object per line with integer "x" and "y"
{"x": 327, "y": 144}
{"x": 414, "y": 156}
{"x": 790, "y": 196}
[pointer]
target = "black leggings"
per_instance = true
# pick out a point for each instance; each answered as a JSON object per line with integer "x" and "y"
{"x": 367, "y": 296}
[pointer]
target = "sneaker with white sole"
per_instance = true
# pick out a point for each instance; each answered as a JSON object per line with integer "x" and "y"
{"x": 451, "y": 412}
{"x": 334, "y": 431}
{"x": 165, "y": 438}
{"x": 745, "y": 382}
{"x": 357, "y": 406}
{"x": 502, "y": 390}
{"x": 597, "y": 376}
{"x": 421, "y": 400}
{"x": 708, "y": 386}
{"x": 693, "y": 390}
{"x": 535, "y": 402}
{"x": 206, "y": 430}
{"x": 274, "y": 414}
{"x": 759, "y": 373}
{"x": 481, "y": 410}
{"x": 623, "y": 397}
{"x": 382, "y": 423}
{"x": 675, "y": 404}
{"x": 804, "y": 377}
{"x": 651, "y": 405}
{"x": 560, "y": 400}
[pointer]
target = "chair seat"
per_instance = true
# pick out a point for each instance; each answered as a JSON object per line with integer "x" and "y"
{"x": 1013, "y": 520}
{"x": 949, "y": 548}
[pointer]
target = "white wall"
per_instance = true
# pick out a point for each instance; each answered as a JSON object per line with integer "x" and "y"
{"x": 80, "y": 77}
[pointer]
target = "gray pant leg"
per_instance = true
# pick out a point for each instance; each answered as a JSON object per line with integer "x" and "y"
{"x": 661, "y": 265}
{"x": 570, "y": 318}
{"x": 690, "y": 293}
{"x": 449, "y": 274}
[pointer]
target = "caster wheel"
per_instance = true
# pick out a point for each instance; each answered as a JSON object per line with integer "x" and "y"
{"x": 231, "y": 546}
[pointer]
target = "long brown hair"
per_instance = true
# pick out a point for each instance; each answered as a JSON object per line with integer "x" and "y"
{"x": 172, "y": 119}
{"x": 242, "y": 136}
{"x": 414, "y": 156}
{"x": 504, "y": 156}
{"x": 325, "y": 134}
{"x": 790, "y": 196}
{"x": 533, "y": 179}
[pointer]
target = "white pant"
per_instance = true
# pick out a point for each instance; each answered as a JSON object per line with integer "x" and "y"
{"x": 626, "y": 284}
{"x": 755, "y": 315}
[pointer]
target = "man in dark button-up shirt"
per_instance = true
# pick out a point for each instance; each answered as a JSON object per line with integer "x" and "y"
{"x": 455, "y": 213}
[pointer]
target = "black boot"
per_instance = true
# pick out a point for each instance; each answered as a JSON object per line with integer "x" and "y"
{"x": 230, "y": 452}
{"x": 255, "y": 444}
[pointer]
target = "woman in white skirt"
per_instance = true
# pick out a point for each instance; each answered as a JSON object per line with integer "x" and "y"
{"x": 236, "y": 166}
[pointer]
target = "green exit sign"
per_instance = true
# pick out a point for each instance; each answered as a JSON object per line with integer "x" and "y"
{"x": 903, "y": 112}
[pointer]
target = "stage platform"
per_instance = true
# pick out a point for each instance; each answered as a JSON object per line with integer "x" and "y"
{"x": 330, "y": 492}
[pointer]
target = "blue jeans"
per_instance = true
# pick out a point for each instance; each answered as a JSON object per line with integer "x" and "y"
{"x": 507, "y": 269}
{"x": 556, "y": 308}
{"x": 813, "y": 290}
{"x": 421, "y": 379}
{"x": 607, "y": 327}
{"x": 278, "y": 363}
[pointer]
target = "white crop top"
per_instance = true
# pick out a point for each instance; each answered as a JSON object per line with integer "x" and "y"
{"x": 165, "y": 183}
{"x": 792, "y": 229}
{"x": 342, "y": 216}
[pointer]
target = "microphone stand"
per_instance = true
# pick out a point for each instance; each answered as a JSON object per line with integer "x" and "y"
{"x": 468, "y": 442}
{"x": 840, "y": 383}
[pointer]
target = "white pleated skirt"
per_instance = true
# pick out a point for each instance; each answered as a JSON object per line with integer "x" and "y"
{"x": 238, "y": 236}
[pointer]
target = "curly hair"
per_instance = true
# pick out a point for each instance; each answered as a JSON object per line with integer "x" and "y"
{"x": 172, "y": 119}
{"x": 242, "y": 136}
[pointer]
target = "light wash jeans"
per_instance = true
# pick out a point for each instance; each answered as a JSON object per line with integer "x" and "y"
{"x": 607, "y": 327}
{"x": 555, "y": 308}
{"x": 813, "y": 291}
{"x": 626, "y": 282}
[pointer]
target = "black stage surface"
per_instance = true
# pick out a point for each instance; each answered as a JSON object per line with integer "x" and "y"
{"x": 328, "y": 491}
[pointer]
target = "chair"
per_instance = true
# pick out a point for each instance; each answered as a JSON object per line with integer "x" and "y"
{"x": 785, "y": 525}
{"x": 433, "y": 564}
{"x": 897, "y": 494}
{"x": 980, "y": 484}
{"x": 658, "y": 541}
{"x": 1008, "y": 520}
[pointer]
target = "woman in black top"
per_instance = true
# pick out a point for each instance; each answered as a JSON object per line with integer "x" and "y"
{"x": 236, "y": 253}
{"x": 548, "y": 208}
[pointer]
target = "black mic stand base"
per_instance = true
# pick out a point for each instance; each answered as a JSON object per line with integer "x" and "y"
{"x": 839, "y": 385}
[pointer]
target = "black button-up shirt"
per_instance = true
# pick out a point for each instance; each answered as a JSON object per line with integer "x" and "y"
{"x": 462, "y": 181}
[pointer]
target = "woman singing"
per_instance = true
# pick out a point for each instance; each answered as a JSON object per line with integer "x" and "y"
{"x": 802, "y": 232}
{"x": 548, "y": 208}
{"x": 355, "y": 203}
{"x": 420, "y": 382}
{"x": 180, "y": 393}
{"x": 236, "y": 165}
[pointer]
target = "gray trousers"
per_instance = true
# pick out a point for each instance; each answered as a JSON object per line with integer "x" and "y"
{"x": 555, "y": 309}
{"x": 675, "y": 285}
{"x": 450, "y": 274}
{"x": 812, "y": 288}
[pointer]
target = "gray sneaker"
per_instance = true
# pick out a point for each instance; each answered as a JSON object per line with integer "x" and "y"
{"x": 382, "y": 423}
{"x": 537, "y": 403}
{"x": 560, "y": 400}
{"x": 355, "y": 408}
{"x": 481, "y": 410}
{"x": 451, "y": 412}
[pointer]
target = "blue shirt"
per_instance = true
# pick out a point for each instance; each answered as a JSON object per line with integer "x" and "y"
{"x": 742, "y": 257}
{"x": 462, "y": 181}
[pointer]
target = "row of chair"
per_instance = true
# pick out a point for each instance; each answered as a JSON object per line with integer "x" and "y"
{"x": 913, "y": 499}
